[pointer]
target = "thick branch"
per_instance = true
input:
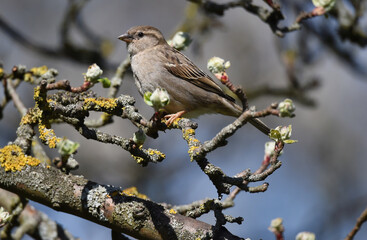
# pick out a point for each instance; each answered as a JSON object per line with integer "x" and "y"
{"x": 105, "y": 205}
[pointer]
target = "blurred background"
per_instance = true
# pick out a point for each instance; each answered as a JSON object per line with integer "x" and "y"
{"x": 321, "y": 186}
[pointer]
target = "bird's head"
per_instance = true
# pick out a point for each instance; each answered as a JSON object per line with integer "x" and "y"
{"x": 140, "y": 38}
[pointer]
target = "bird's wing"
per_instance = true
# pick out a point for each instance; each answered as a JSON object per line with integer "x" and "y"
{"x": 182, "y": 67}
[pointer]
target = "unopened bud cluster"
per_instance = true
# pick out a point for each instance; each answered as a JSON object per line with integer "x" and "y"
{"x": 286, "y": 108}
{"x": 327, "y": 5}
{"x": 93, "y": 75}
{"x": 282, "y": 134}
{"x": 139, "y": 137}
{"x": 218, "y": 65}
{"x": 158, "y": 99}
{"x": 180, "y": 41}
{"x": 305, "y": 236}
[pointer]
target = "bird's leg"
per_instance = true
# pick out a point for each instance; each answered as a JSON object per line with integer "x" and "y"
{"x": 170, "y": 118}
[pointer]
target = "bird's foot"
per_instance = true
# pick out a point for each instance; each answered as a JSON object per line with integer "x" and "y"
{"x": 170, "y": 118}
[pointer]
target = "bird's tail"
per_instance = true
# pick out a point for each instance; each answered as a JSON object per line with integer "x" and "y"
{"x": 260, "y": 125}
{"x": 237, "y": 111}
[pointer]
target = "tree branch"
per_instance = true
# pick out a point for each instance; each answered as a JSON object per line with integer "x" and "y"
{"x": 105, "y": 205}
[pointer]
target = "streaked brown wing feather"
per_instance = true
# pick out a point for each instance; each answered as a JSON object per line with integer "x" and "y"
{"x": 183, "y": 68}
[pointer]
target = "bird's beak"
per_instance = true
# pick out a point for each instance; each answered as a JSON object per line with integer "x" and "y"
{"x": 126, "y": 38}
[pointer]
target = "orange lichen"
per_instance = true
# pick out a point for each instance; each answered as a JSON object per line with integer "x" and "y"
{"x": 133, "y": 191}
{"x": 13, "y": 159}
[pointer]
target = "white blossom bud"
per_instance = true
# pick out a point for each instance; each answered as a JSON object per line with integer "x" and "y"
{"x": 180, "y": 40}
{"x": 327, "y": 5}
{"x": 276, "y": 225}
{"x": 218, "y": 65}
{"x": 4, "y": 216}
{"x": 269, "y": 148}
{"x": 305, "y": 236}
{"x": 286, "y": 108}
{"x": 158, "y": 99}
{"x": 93, "y": 73}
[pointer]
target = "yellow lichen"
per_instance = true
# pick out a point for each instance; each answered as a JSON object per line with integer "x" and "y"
{"x": 138, "y": 159}
{"x": 175, "y": 122}
{"x": 28, "y": 77}
{"x": 48, "y": 136}
{"x": 50, "y": 101}
{"x": 133, "y": 191}
{"x": 172, "y": 211}
{"x": 108, "y": 103}
{"x": 32, "y": 116}
{"x": 187, "y": 133}
{"x": 39, "y": 71}
{"x": 191, "y": 152}
{"x": 194, "y": 140}
{"x": 36, "y": 95}
{"x": 27, "y": 119}
{"x": 13, "y": 159}
{"x": 156, "y": 152}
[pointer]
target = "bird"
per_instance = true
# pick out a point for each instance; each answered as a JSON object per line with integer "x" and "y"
{"x": 192, "y": 92}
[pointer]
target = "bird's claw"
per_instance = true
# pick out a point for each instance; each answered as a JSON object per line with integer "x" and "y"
{"x": 170, "y": 118}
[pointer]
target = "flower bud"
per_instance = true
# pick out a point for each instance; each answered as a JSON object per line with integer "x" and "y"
{"x": 327, "y": 5}
{"x": 282, "y": 134}
{"x": 276, "y": 225}
{"x": 269, "y": 148}
{"x": 67, "y": 147}
{"x": 93, "y": 73}
{"x": 180, "y": 40}
{"x": 158, "y": 99}
{"x": 286, "y": 108}
{"x": 139, "y": 137}
{"x": 4, "y": 216}
{"x": 218, "y": 65}
{"x": 305, "y": 236}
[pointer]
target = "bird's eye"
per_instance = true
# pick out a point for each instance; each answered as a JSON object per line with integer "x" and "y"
{"x": 140, "y": 34}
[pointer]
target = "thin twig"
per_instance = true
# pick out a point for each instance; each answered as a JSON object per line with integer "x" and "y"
{"x": 362, "y": 219}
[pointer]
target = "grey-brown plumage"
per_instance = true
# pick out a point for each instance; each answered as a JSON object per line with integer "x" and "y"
{"x": 192, "y": 92}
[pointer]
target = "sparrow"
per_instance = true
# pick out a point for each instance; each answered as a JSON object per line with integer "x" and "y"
{"x": 155, "y": 64}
